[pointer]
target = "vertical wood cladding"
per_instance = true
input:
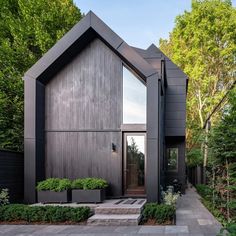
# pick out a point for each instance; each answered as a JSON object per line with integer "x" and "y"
{"x": 86, "y": 95}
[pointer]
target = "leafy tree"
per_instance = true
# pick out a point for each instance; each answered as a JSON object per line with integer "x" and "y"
{"x": 223, "y": 149}
{"x": 27, "y": 30}
{"x": 203, "y": 44}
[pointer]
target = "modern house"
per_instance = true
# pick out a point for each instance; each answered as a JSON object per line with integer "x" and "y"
{"x": 97, "y": 107}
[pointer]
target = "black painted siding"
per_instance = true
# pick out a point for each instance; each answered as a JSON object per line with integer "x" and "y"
{"x": 175, "y": 112}
{"x": 12, "y": 174}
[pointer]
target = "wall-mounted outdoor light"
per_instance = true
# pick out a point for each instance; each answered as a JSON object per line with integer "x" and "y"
{"x": 113, "y": 147}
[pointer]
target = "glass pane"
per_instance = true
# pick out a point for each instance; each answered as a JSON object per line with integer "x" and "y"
{"x": 172, "y": 158}
{"x": 134, "y": 99}
{"x": 135, "y": 161}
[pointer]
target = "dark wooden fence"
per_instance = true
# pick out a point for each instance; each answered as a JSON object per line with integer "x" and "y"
{"x": 195, "y": 175}
{"x": 12, "y": 174}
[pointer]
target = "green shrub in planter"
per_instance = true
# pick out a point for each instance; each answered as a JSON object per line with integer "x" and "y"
{"x": 54, "y": 190}
{"x": 88, "y": 190}
{"x": 161, "y": 213}
{"x": 54, "y": 184}
{"x": 52, "y": 214}
{"x": 89, "y": 183}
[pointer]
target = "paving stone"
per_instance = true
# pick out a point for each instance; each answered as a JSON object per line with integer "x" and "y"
{"x": 152, "y": 229}
{"x": 176, "y": 229}
{"x": 117, "y": 220}
{"x": 204, "y": 222}
{"x": 54, "y": 229}
{"x": 127, "y": 229}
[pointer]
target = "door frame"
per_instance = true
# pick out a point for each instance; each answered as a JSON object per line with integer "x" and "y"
{"x": 124, "y": 159}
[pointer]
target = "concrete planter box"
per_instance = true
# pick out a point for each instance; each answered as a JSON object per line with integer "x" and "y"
{"x": 54, "y": 197}
{"x": 88, "y": 195}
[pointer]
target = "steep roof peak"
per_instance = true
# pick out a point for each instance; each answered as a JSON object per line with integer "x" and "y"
{"x": 75, "y": 40}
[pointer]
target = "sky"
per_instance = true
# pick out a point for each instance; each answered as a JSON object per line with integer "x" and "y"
{"x": 138, "y": 22}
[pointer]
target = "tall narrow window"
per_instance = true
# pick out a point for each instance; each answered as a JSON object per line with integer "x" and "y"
{"x": 134, "y": 99}
{"x": 172, "y": 159}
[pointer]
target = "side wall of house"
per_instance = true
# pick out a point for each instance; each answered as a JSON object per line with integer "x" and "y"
{"x": 175, "y": 121}
{"x": 83, "y": 115}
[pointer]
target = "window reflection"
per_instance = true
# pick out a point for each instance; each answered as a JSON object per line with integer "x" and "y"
{"x": 172, "y": 159}
{"x": 135, "y": 162}
{"x": 134, "y": 99}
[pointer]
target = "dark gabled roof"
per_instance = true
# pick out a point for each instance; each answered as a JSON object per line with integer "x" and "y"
{"x": 76, "y": 39}
{"x": 153, "y": 55}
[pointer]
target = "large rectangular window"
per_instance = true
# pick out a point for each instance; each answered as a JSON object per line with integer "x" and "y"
{"x": 172, "y": 159}
{"x": 134, "y": 99}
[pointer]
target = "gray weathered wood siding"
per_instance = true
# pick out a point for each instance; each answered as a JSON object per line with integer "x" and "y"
{"x": 83, "y": 115}
{"x": 12, "y": 174}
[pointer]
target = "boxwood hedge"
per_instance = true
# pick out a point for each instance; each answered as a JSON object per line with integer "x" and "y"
{"x": 161, "y": 213}
{"x": 50, "y": 214}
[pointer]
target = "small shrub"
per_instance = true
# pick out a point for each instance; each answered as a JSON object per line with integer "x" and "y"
{"x": 4, "y": 197}
{"x": 78, "y": 184}
{"x": 89, "y": 183}
{"x": 204, "y": 190}
{"x": 161, "y": 213}
{"x": 64, "y": 184}
{"x": 231, "y": 230}
{"x": 54, "y": 184}
{"x": 170, "y": 198}
{"x": 52, "y": 214}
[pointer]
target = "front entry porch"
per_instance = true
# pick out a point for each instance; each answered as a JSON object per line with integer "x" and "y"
{"x": 116, "y": 212}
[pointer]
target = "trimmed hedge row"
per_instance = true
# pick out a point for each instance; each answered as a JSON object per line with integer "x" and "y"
{"x": 51, "y": 214}
{"x": 161, "y": 213}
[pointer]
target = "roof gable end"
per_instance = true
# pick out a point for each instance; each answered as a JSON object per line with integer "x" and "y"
{"x": 76, "y": 39}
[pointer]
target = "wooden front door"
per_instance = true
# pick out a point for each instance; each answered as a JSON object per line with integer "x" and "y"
{"x": 134, "y": 163}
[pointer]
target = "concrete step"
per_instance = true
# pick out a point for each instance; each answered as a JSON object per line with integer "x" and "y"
{"x": 114, "y": 220}
{"x": 117, "y": 211}
{"x": 122, "y": 207}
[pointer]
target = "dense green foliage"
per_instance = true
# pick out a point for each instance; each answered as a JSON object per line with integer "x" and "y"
{"x": 20, "y": 212}
{"x": 27, "y": 30}
{"x": 204, "y": 190}
{"x": 220, "y": 194}
{"x": 89, "y": 183}
{"x": 54, "y": 184}
{"x": 161, "y": 213}
{"x": 203, "y": 44}
{"x": 222, "y": 175}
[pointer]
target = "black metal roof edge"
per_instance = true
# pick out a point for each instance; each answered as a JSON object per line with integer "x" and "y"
{"x": 88, "y": 23}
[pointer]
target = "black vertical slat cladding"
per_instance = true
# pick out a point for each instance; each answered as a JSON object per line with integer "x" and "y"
{"x": 12, "y": 174}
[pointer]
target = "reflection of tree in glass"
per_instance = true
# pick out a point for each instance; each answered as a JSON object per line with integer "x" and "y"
{"x": 136, "y": 157}
{"x": 172, "y": 159}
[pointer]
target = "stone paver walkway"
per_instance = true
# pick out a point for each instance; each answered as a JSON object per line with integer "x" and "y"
{"x": 192, "y": 219}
